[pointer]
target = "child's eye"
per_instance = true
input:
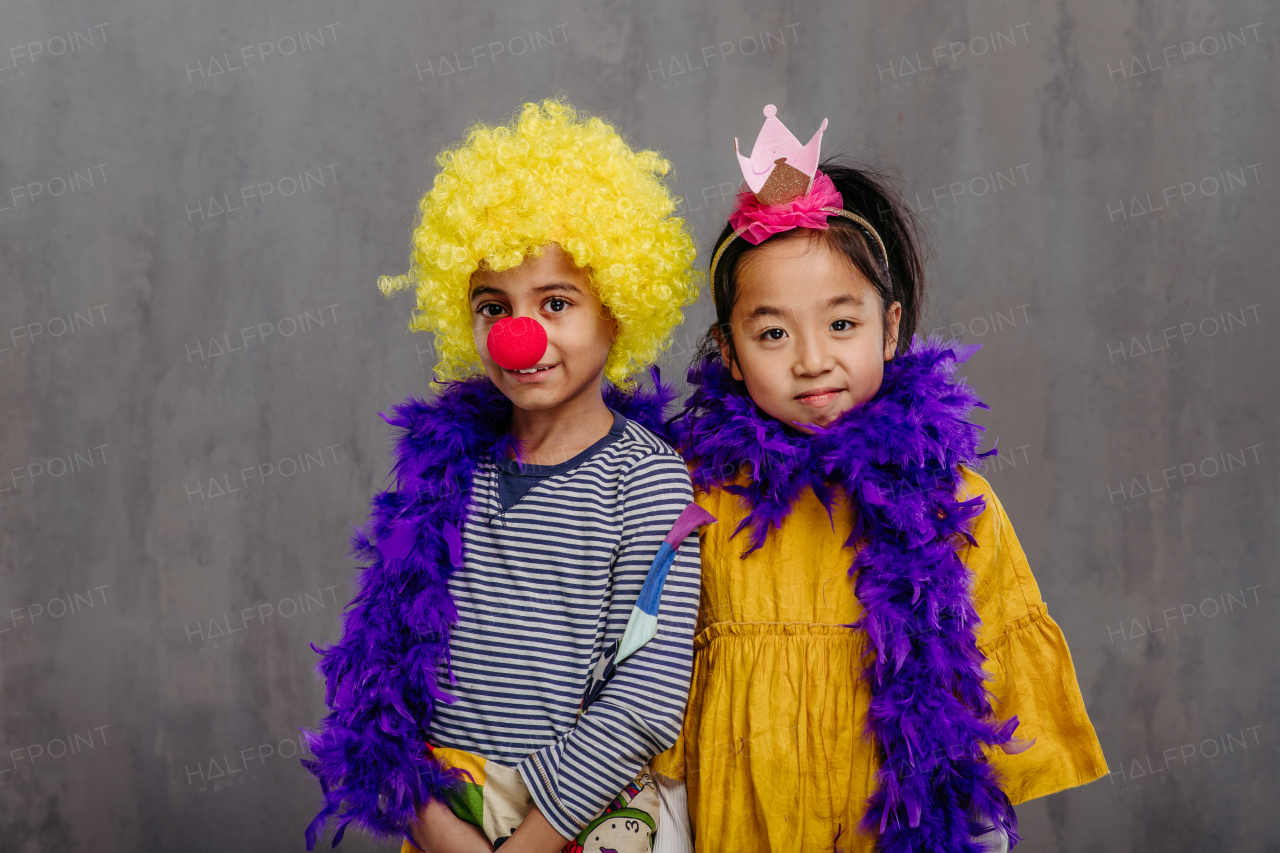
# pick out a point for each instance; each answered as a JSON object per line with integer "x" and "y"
{"x": 773, "y": 335}
{"x": 842, "y": 325}
{"x": 484, "y": 310}
{"x": 555, "y": 305}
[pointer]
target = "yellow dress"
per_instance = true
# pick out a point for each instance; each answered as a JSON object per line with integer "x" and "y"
{"x": 773, "y": 750}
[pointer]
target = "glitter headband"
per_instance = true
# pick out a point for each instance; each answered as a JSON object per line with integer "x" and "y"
{"x": 785, "y": 190}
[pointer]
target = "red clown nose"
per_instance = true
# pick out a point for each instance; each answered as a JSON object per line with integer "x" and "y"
{"x": 517, "y": 343}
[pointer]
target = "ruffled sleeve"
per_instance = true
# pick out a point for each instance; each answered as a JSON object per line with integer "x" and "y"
{"x": 1030, "y": 673}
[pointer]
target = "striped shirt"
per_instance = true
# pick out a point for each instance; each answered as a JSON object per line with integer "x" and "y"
{"x": 545, "y": 586}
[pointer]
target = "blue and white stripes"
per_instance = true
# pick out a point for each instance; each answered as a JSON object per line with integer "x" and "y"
{"x": 547, "y": 587}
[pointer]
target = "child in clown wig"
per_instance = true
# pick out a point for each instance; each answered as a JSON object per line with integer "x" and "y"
{"x": 530, "y": 499}
{"x": 870, "y": 633}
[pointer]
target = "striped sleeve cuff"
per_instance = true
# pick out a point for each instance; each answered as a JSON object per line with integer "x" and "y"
{"x": 537, "y": 779}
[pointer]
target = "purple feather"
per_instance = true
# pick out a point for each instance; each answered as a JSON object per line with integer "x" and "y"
{"x": 382, "y": 678}
{"x": 399, "y": 542}
{"x": 896, "y": 457}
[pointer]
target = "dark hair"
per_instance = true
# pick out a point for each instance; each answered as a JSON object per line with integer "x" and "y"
{"x": 869, "y": 194}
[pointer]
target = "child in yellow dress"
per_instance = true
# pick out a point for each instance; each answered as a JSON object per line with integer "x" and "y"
{"x": 870, "y": 634}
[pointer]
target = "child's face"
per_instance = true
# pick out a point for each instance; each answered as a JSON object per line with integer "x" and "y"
{"x": 579, "y": 330}
{"x": 809, "y": 332}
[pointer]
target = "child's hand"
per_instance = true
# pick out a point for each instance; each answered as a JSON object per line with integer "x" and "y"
{"x": 534, "y": 835}
{"x": 439, "y": 830}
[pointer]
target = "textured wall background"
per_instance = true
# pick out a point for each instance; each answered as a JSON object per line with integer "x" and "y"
{"x": 197, "y": 199}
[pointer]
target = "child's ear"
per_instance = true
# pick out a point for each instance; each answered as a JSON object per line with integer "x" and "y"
{"x": 722, "y": 340}
{"x": 892, "y": 318}
{"x": 721, "y": 334}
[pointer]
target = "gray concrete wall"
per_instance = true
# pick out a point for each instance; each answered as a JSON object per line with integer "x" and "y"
{"x": 1120, "y": 344}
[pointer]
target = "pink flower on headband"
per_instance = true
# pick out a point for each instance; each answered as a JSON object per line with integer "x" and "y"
{"x": 805, "y": 212}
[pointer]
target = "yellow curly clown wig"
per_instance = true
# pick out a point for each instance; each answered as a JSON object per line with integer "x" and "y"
{"x": 553, "y": 175}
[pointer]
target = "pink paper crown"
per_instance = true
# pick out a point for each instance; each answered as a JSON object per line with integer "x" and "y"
{"x": 780, "y": 168}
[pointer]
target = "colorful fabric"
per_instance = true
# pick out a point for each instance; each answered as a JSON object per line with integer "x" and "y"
{"x": 826, "y": 714}
{"x": 496, "y": 800}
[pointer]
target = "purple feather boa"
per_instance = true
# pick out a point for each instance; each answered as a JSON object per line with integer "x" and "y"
{"x": 371, "y": 751}
{"x": 896, "y": 457}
